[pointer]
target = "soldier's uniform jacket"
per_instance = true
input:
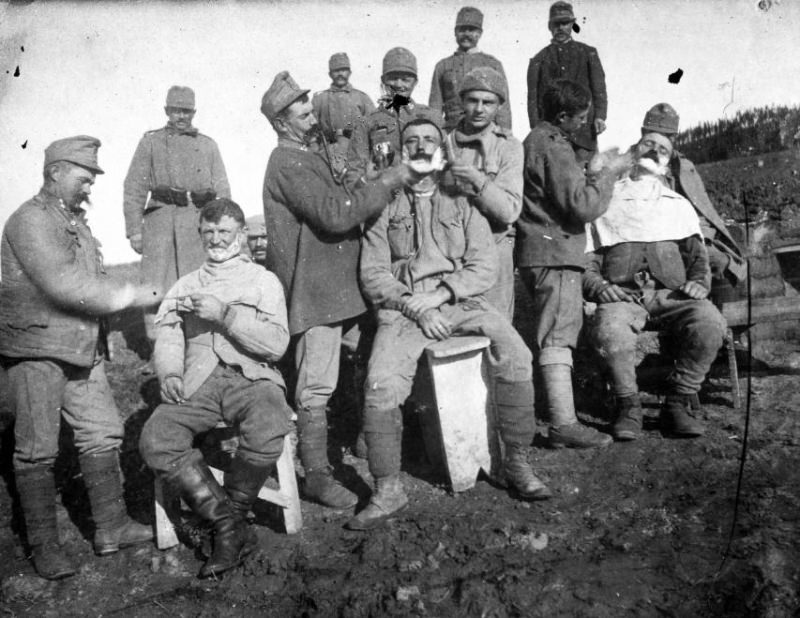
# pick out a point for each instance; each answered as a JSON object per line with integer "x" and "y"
{"x": 558, "y": 200}
{"x": 577, "y": 62}
{"x": 410, "y": 249}
{"x": 186, "y": 161}
{"x": 447, "y": 78}
{"x": 339, "y": 109}
{"x": 54, "y": 287}
{"x": 314, "y": 234}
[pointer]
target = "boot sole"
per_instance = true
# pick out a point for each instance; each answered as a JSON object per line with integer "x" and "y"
{"x": 626, "y": 436}
{"x": 581, "y": 445}
{"x": 246, "y": 550}
{"x": 540, "y": 494}
{"x": 358, "y": 525}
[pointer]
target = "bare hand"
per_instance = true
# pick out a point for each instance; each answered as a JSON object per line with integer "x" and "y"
{"x": 467, "y": 173}
{"x": 172, "y": 390}
{"x": 136, "y": 243}
{"x": 694, "y": 289}
{"x": 611, "y": 161}
{"x": 208, "y": 307}
{"x": 417, "y": 304}
{"x": 612, "y": 293}
{"x": 599, "y": 125}
{"x": 434, "y": 325}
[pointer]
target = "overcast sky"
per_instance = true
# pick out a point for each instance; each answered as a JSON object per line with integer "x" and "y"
{"x": 103, "y": 69}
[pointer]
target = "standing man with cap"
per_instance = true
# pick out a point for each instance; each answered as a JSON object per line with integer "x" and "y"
{"x": 340, "y": 107}
{"x": 486, "y": 165}
{"x": 313, "y": 225}
{"x": 568, "y": 59}
{"x": 449, "y": 72}
{"x": 53, "y": 295}
{"x": 376, "y": 139}
{"x": 175, "y": 171}
{"x": 725, "y": 257}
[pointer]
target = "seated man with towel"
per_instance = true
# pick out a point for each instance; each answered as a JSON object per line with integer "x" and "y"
{"x": 649, "y": 266}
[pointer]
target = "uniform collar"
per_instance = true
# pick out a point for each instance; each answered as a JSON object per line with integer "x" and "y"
{"x": 460, "y": 52}
{"x": 191, "y": 131}
{"x": 51, "y": 200}
{"x": 464, "y": 138}
{"x": 335, "y": 88}
{"x": 292, "y": 144}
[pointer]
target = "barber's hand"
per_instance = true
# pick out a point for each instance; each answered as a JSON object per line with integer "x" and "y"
{"x": 400, "y": 175}
{"x": 611, "y": 161}
{"x": 172, "y": 390}
{"x": 417, "y": 304}
{"x": 599, "y": 125}
{"x": 136, "y": 243}
{"x": 612, "y": 293}
{"x": 434, "y": 325}
{"x": 694, "y": 290}
{"x": 467, "y": 173}
{"x": 208, "y": 307}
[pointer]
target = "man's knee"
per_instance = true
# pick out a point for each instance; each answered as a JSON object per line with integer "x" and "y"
{"x": 160, "y": 443}
{"x": 706, "y": 327}
{"x": 384, "y": 391}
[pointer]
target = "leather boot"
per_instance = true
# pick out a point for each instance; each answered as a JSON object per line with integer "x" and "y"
{"x": 678, "y": 418}
{"x": 113, "y": 528}
{"x": 37, "y": 495}
{"x": 388, "y": 498}
{"x": 518, "y": 475}
{"x": 201, "y": 492}
{"x": 628, "y": 425}
{"x": 565, "y": 429}
{"x": 320, "y": 486}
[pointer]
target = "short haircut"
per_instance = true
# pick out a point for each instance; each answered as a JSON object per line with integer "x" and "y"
{"x": 418, "y": 122}
{"x": 564, "y": 95}
{"x": 222, "y": 207}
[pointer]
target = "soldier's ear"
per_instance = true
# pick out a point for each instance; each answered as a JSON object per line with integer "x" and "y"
{"x": 560, "y": 118}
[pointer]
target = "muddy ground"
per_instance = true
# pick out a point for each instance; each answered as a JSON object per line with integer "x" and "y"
{"x": 637, "y": 529}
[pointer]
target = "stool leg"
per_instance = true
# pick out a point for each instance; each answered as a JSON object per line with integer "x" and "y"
{"x": 736, "y": 393}
{"x": 165, "y": 531}
{"x": 287, "y": 481}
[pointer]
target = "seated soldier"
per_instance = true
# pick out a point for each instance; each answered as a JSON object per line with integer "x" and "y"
{"x": 425, "y": 264}
{"x": 650, "y": 266}
{"x": 221, "y": 329}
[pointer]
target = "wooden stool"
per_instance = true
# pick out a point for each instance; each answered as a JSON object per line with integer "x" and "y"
{"x": 286, "y": 497}
{"x": 458, "y": 427}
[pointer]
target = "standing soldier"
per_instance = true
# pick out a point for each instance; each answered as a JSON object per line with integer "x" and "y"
{"x": 449, "y": 72}
{"x": 340, "y": 107}
{"x": 313, "y": 227}
{"x": 52, "y": 346}
{"x": 577, "y": 62}
{"x": 486, "y": 164}
{"x": 181, "y": 170}
{"x": 257, "y": 239}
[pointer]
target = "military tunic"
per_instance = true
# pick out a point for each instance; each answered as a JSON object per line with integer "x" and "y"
{"x": 339, "y": 109}
{"x": 447, "y": 77}
{"x": 187, "y": 161}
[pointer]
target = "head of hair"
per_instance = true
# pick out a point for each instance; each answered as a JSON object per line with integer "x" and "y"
{"x": 564, "y": 95}
{"x": 222, "y": 207}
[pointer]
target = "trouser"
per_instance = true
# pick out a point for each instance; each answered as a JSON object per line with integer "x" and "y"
{"x": 44, "y": 390}
{"x": 399, "y": 343}
{"x": 696, "y": 325}
{"x": 501, "y": 294}
{"x": 257, "y": 408}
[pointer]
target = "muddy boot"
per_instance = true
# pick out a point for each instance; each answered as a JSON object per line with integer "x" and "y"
{"x": 320, "y": 486}
{"x": 565, "y": 429}
{"x": 113, "y": 528}
{"x": 628, "y": 425}
{"x": 388, "y": 498}
{"x": 518, "y": 475}
{"x": 37, "y": 495}
{"x": 201, "y": 492}
{"x": 677, "y": 418}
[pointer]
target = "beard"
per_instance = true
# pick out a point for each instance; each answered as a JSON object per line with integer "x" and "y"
{"x": 652, "y": 163}
{"x": 223, "y": 254}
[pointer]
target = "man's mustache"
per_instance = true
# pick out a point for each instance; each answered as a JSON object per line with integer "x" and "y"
{"x": 421, "y": 156}
{"x": 650, "y": 154}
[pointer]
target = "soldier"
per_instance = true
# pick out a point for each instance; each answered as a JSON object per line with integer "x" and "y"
{"x": 53, "y": 295}
{"x": 339, "y": 108}
{"x": 376, "y": 139}
{"x": 313, "y": 225}
{"x": 568, "y": 59}
{"x": 174, "y": 172}
{"x": 449, "y": 72}
{"x": 486, "y": 165}
{"x": 257, "y": 239}
{"x": 221, "y": 330}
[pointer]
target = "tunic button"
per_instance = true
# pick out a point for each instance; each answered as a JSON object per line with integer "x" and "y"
{"x": 73, "y": 222}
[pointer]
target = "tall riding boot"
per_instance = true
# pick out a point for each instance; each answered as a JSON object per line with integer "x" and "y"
{"x": 517, "y": 427}
{"x": 37, "y": 495}
{"x": 113, "y": 528}
{"x": 565, "y": 430}
{"x": 312, "y": 425}
{"x": 201, "y": 492}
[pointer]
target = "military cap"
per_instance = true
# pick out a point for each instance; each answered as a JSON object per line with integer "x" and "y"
{"x": 561, "y": 12}
{"x": 281, "y": 94}
{"x": 661, "y": 118}
{"x": 423, "y": 114}
{"x": 338, "y": 61}
{"x": 180, "y": 96}
{"x": 80, "y": 150}
{"x": 469, "y": 16}
{"x": 485, "y": 78}
{"x": 255, "y": 226}
{"x": 399, "y": 59}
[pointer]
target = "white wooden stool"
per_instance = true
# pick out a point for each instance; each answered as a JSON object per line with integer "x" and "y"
{"x": 286, "y": 497}
{"x": 462, "y": 426}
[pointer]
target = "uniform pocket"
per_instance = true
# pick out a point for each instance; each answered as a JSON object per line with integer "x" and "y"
{"x": 400, "y": 234}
